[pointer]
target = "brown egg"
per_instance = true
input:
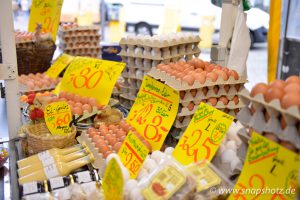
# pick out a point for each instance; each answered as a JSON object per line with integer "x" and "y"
{"x": 78, "y": 104}
{"x": 69, "y": 96}
{"x": 225, "y": 69}
{"x": 99, "y": 141}
{"x": 62, "y": 99}
{"x": 200, "y": 77}
{"x": 235, "y": 99}
{"x": 233, "y": 73}
{"x": 194, "y": 92}
{"x": 273, "y": 93}
{"x": 216, "y": 89}
{"x": 271, "y": 136}
{"x": 289, "y": 100}
{"x": 288, "y": 145}
{"x": 212, "y": 76}
{"x": 226, "y": 88}
{"x": 71, "y": 103}
{"x": 103, "y": 132}
{"x": 260, "y": 88}
{"x": 93, "y": 102}
{"x": 208, "y": 68}
{"x": 121, "y": 133}
{"x": 76, "y": 98}
{"x": 96, "y": 137}
{"x": 277, "y": 84}
{"x": 87, "y": 107}
{"x": 293, "y": 79}
{"x": 182, "y": 94}
{"x": 224, "y": 100}
{"x": 204, "y": 101}
{"x": 91, "y": 129}
{"x": 222, "y": 74}
{"x": 292, "y": 88}
{"x": 117, "y": 146}
{"x": 77, "y": 111}
{"x": 93, "y": 134}
{"x": 191, "y": 106}
{"x": 159, "y": 66}
{"x": 199, "y": 70}
{"x": 121, "y": 139}
{"x": 236, "y": 110}
{"x": 213, "y": 101}
{"x": 112, "y": 141}
{"x": 103, "y": 148}
{"x": 237, "y": 87}
{"x": 189, "y": 79}
{"x": 205, "y": 90}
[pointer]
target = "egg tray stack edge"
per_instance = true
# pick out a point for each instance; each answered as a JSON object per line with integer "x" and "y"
{"x": 80, "y": 41}
{"x": 141, "y": 53}
{"x": 258, "y": 122}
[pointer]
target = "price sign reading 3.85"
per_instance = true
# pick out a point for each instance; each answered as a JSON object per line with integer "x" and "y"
{"x": 58, "y": 116}
{"x": 154, "y": 111}
{"x": 270, "y": 172}
{"x": 203, "y": 136}
{"x": 59, "y": 65}
{"x": 92, "y": 77}
{"x": 132, "y": 154}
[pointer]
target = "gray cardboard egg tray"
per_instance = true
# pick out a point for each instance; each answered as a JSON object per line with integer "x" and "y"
{"x": 134, "y": 74}
{"x": 177, "y": 84}
{"x": 291, "y": 115}
{"x": 258, "y": 123}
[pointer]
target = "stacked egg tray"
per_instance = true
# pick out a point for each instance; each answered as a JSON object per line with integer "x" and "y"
{"x": 141, "y": 53}
{"x": 224, "y": 95}
{"x": 270, "y": 117}
{"x": 80, "y": 40}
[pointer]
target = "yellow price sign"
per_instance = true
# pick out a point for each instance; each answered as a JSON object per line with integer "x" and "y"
{"x": 59, "y": 65}
{"x": 112, "y": 183}
{"x": 92, "y": 78}
{"x": 58, "y": 116}
{"x": 203, "y": 136}
{"x": 132, "y": 154}
{"x": 270, "y": 172}
{"x": 154, "y": 111}
{"x": 46, "y": 13}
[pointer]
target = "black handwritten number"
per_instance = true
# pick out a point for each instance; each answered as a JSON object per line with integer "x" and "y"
{"x": 170, "y": 107}
{"x": 272, "y": 169}
{"x": 207, "y": 127}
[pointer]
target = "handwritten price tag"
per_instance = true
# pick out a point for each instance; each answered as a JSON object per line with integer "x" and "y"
{"x": 47, "y": 13}
{"x": 58, "y": 117}
{"x": 92, "y": 77}
{"x": 59, "y": 65}
{"x": 203, "y": 136}
{"x": 132, "y": 154}
{"x": 112, "y": 183}
{"x": 270, "y": 172}
{"x": 154, "y": 111}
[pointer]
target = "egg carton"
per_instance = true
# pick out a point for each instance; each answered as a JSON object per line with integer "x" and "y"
{"x": 132, "y": 92}
{"x": 138, "y": 75}
{"x": 220, "y": 105}
{"x": 291, "y": 115}
{"x": 87, "y": 114}
{"x": 95, "y": 51}
{"x": 25, "y": 89}
{"x": 78, "y": 31}
{"x": 80, "y": 38}
{"x": 258, "y": 123}
{"x": 134, "y": 83}
{"x": 181, "y": 85}
{"x": 160, "y": 41}
{"x": 79, "y": 45}
{"x": 198, "y": 94}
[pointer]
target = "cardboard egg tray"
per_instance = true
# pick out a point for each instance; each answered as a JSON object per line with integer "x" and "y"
{"x": 177, "y": 84}
{"x": 89, "y": 44}
{"x": 24, "y": 89}
{"x": 259, "y": 124}
{"x": 125, "y": 102}
{"x": 78, "y": 31}
{"x": 80, "y": 38}
{"x": 291, "y": 115}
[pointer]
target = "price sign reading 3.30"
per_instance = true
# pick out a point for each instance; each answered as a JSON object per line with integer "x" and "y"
{"x": 92, "y": 77}
{"x": 154, "y": 111}
{"x": 58, "y": 117}
{"x": 203, "y": 136}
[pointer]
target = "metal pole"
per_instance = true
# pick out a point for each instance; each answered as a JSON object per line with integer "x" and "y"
{"x": 102, "y": 13}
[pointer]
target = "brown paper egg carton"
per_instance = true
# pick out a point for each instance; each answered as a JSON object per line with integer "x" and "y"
{"x": 210, "y": 91}
{"x": 258, "y": 122}
{"x": 181, "y": 85}
{"x": 292, "y": 114}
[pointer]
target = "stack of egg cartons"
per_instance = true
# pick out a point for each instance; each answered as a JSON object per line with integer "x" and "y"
{"x": 80, "y": 40}
{"x": 141, "y": 53}
{"x": 198, "y": 81}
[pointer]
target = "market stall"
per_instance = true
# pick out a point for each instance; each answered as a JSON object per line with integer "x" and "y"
{"x": 160, "y": 124}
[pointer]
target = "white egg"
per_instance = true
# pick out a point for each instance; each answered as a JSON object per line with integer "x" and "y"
{"x": 135, "y": 194}
{"x": 126, "y": 174}
{"x": 139, "y": 74}
{"x": 231, "y": 145}
{"x": 149, "y": 164}
{"x": 227, "y": 155}
{"x": 236, "y": 164}
{"x": 221, "y": 149}
{"x": 169, "y": 150}
{"x": 157, "y": 156}
{"x": 142, "y": 173}
{"x": 131, "y": 183}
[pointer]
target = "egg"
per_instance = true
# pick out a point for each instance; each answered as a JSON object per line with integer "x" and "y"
{"x": 226, "y": 88}
{"x": 117, "y": 146}
{"x": 271, "y": 137}
{"x": 169, "y": 150}
{"x": 193, "y": 92}
{"x": 92, "y": 101}
{"x": 121, "y": 133}
{"x": 84, "y": 100}
{"x": 200, "y": 77}
{"x": 199, "y": 70}
{"x": 231, "y": 145}
{"x": 30, "y": 85}
{"x": 277, "y": 84}
{"x": 288, "y": 145}
{"x": 76, "y": 98}
{"x": 91, "y": 129}
{"x": 222, "y": 74}
{"x": 62, "y": 99}
{"x": 189, "y": 79}
{"x": 289, "y": 100}
{"x": 93, "y": 134}
{"x": 99, "y": 141}
{"x": 87, "y": 107}
{"x": 78, "y": 104}
{"x": 71, "y": 103}
{"x": 260, "y": 88}
{"x": 77, "y": 110}
{"x": 107, "y": 153}
{"x": 103, "y": 148}
{"x": 112, "y": 141}
{"x": 205, "y": 90}
{"x": 293, "y": 79}
{"x": 274, "y": 93}
{"x": 233, "y": 73}
{"x": 121, "y": 139}
{"x": 212, "y": 76}
{"x": 191, "y": 106}
{"x": 292, "y": 88}
{"x": 237, "y": 87}
{"x": 224, "y": 100}
{"x": 69, "y": 96}
{"x": 103, "y": 132}
{"x": 227, "y": 155}
{"x": 213, "y": 101}
{"x": 216, "y": 89}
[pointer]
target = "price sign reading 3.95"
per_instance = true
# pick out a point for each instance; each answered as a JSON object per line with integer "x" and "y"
{"x": 154, "y": 111}
{"x": 132, "y": 154}
{"x": 203, "y": 136}
{"x": 92, "y": 77}
{"x": 58, "y": 116}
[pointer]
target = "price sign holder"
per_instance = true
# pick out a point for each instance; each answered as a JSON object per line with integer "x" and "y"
{"x": 59, "y": 65}
{"x": 203, "y": 136}
{"x": 58, "y": 116}
{"x": 92, "y": 78}
{"x": 132, "y": 154}
{"x": 112, "y": 183}
{"x": 154, "y": 111}
{"x": 46, "y": 13}
{"x": 270, "y": 172}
